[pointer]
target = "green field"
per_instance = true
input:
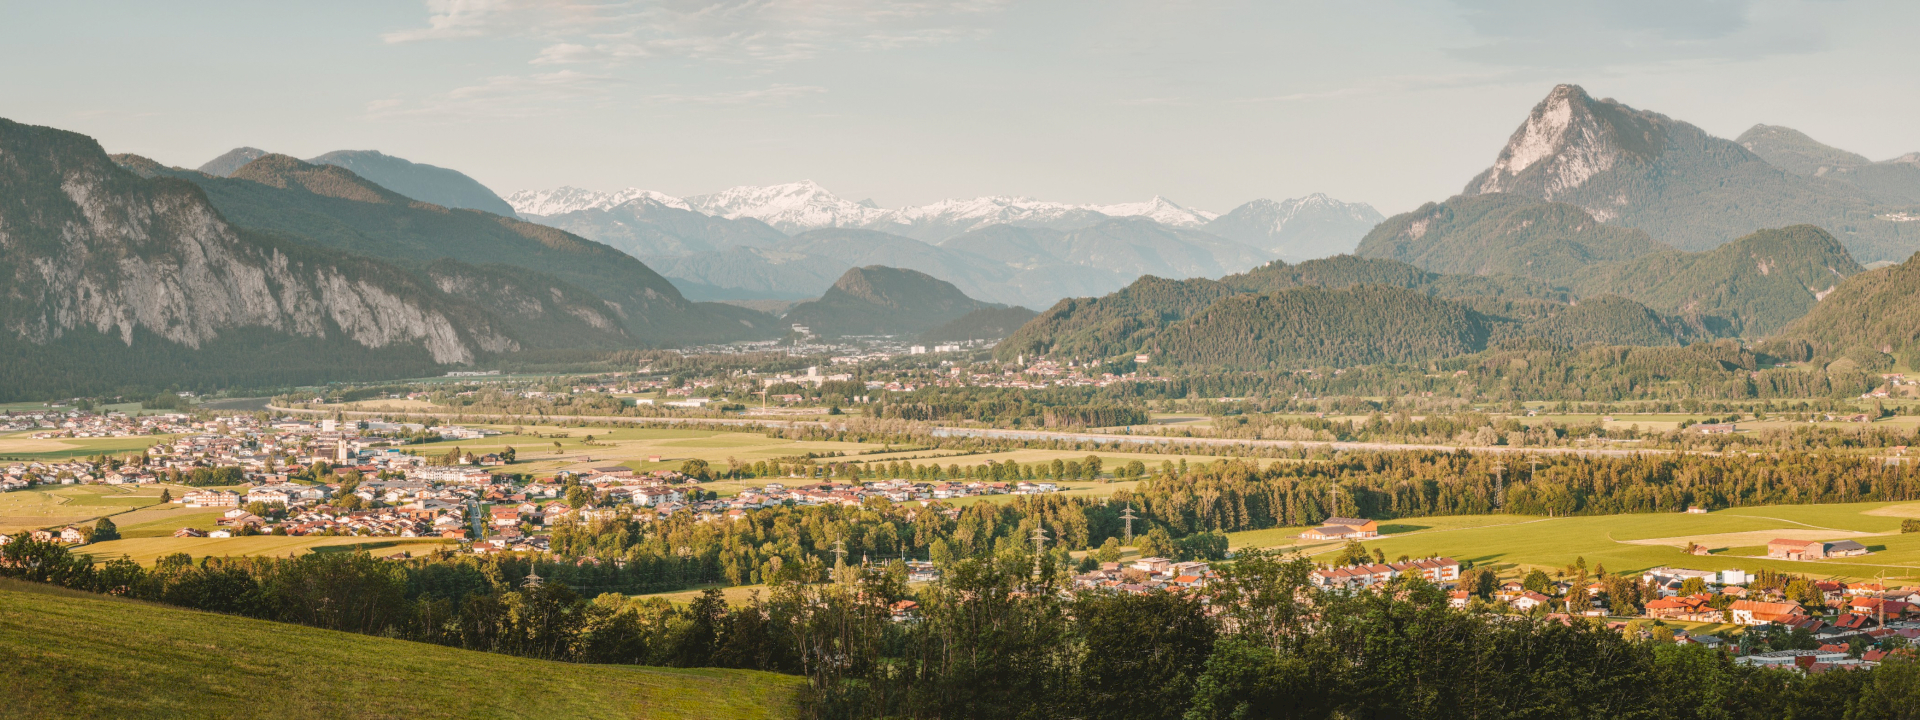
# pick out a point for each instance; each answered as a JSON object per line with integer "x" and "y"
{"x": 75, "y": 655}
{"x": 45, "y": 506}
{"x": 145, "y": 550}
{"x": 1636, "y": 542}
{"x": 19, "y": 447}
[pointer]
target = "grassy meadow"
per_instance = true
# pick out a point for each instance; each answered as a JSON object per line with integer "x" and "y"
{"x": 45, "y": 506}
{"x": 68, "y": 654}
{"x": 145, "y": 550}
{"x": 1640, "y": 541}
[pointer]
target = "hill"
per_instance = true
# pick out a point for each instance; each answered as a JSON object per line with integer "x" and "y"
{"x": 1685, "y": 188}
{"x": 1751, "y": 286}
{"x": 1314, "y": 226}
{"x": 332, "y": 207}
{"x": 420, "y": 181}
{"x": 1487, "y": 308}
{"x": 1501, "y": 233}
{"x": 879, "y": 300}
{"x": 73, "y": 655}
{"x": 1872, "y": 317}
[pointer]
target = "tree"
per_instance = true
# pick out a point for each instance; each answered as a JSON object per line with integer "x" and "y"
{"x": 166, "y": 496}
{"x": 1353, "y": 554}
{"x": 1538, "y": 581}
{"x": 1693, "y": 586}
{"x": 104, "y": 530}
{"x": 1109, "y": 551}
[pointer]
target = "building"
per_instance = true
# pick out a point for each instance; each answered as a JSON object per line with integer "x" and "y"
{"x": 1714, "y": 428}
{"x": 1338, "y": 528}
{"x": 1846, "y": 548}
{"x": 1435, "y": 570}
{"x": 1790, "y": 549}
{"x": 210, "y": 499}
{"x": 1754, "y": 612}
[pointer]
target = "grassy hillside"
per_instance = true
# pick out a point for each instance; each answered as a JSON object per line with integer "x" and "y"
{"x": 67, "y": 654}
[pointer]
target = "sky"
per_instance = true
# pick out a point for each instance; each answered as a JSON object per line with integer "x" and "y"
{"x": 1210, "y": 104}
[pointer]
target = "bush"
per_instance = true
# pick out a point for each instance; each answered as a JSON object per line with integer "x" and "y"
{"x": 1910, "y": 525}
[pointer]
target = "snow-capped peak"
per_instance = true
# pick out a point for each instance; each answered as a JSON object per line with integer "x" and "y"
{"x": 566, "y": 199}
{"x": 1160, "y": 210}
{"x": 792, "y": 207}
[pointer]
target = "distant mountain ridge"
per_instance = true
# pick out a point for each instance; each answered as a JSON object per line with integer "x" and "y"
{"x": 420, "y": 181}
{"x": 1688, "y": 189}
{"x": 1895, "y": 181}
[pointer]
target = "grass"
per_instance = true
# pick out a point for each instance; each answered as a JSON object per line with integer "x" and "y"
{"x": 145, "y": 550}
{"x": 22, "y": 448}
{"x": 68, "y": 504}
{"x": 65, "y": 654}
{"x": 1636, "y": 542}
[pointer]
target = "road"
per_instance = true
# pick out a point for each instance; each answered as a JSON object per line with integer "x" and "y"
{"x": 948, "y": 431}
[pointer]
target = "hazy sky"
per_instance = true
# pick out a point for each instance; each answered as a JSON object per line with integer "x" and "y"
{"x": 906, "y": 102}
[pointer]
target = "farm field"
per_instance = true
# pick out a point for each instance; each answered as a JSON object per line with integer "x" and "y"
{"x": 17, "y": 447}
{"x": 1636, "y": 542}
{"x": 145, "y": 550}
{"x": 68, "y": 504}
{"x": 71, "y": 654}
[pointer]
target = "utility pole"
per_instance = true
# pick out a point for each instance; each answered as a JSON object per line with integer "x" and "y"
{"x": 1499, "y": 485}
{"x": 1128, "y": 517}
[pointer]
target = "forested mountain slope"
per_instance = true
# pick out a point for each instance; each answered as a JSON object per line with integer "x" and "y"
{"x": 1895, "y": 181}
{"x": 1501, "y": 233}
{"x": 1873, "y": 317}
{"x": 1755, "y": 284}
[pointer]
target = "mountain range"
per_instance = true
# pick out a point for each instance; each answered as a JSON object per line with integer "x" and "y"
{"x": 727, "y": 245}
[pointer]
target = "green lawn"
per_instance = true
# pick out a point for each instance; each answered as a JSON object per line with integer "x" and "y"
{"x": 19, "y": 447}
{"x": 74, "y": 655}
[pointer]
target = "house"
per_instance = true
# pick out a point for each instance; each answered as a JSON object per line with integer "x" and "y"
{"x": 1790, "y": 549}
{"x": 906, "y": 611}
{"x": 1755, "y": 612}
{"x": 1338, "y": 528}
{"x": 1459, "y": 599}
{"x": 72, "y": 536}
{"x": 189, "y": 533}
{"x": 1846, "y": 548}
{"x": 1696, "y": 510}
{"x": 1529, "y": 600}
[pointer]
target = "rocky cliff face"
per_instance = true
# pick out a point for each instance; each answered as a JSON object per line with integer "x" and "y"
{"x": 86, "y": 244}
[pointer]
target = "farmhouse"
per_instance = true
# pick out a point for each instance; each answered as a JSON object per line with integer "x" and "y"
{"x": 1339, "y": 528}
{"x": 1754, "y": 612}
{"x": 1789, "y": 549}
